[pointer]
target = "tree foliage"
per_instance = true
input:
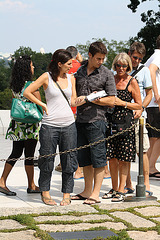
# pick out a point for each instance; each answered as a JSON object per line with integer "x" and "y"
{"x": 151, "y": 31}
{"x": 4, "y": 75}
{"x": 5, "y": 99}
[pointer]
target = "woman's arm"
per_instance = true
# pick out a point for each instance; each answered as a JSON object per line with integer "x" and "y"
{"x": 74, "y": 100}
{"x": 105, "y": 101}
{"x": 136, "y": 95}
{"x": 30, "y": 91}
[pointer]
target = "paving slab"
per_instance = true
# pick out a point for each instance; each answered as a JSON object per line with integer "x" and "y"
{"x": 81, "y": 226}
{"x": 143, "y": 235}
{"x": 10, "y": 224}
{"x": 135, "y": 220}
{"x": 85, "y": 218}
{"x": 46, "y": 209}
{"x": 25, "y": 235}
{"x": 125, "y": 205}
{"x": 149, "y": 211}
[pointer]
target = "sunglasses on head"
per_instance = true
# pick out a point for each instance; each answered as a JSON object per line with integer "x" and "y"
{"x": 137, "y": 58}
{"x": 123, "y": 66}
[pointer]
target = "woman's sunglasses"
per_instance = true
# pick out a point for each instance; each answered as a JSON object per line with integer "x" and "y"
{"x": 123, "y": 66}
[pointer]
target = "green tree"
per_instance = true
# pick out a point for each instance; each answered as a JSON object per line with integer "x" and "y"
{"x": 151, "y": 31}
{"x": 4, "y": 75}
{"x": 113, "y": 48}
{"x": 41, "y": 62}
{"x": 5, "y": 99}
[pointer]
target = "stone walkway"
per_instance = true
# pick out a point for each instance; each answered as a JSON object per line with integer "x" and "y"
{"x": 135, "y": 220}
{"x": 26, "y": 217}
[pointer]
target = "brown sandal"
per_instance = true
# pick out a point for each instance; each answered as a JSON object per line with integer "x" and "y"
{"x": 48, "y": 201}
{"x": 65, "y": 201}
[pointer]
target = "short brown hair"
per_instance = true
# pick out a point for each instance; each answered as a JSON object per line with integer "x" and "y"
{"x": 138, "y": 47}
{"x": 97, "y": 47}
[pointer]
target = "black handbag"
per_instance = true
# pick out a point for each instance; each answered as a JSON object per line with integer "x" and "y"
{"x": 119, "y": 125}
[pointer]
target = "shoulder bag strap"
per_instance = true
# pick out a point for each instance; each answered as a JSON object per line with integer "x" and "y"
{"x": 62, "y": 92}
{"x": 136, "y": 71}
{"x": 25, "y": 86}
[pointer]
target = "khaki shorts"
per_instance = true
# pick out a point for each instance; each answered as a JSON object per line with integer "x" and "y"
{"x": 146, "y": 144}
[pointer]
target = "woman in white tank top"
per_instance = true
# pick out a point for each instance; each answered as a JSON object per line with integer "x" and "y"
{"x": 58, "y": 124}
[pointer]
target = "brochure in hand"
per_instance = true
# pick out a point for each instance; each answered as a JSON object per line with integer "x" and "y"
{"x": 93, "y": 96}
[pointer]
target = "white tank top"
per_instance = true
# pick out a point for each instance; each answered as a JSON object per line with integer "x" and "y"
{"x": 59, "y": 111}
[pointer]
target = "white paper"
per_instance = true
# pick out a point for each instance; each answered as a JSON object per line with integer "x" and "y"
{"x": 93, "y": 96}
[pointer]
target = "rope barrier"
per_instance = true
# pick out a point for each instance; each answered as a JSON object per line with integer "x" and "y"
{"x": 78, "y": 148}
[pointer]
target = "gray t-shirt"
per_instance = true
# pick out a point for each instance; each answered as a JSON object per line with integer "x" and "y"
{"x": 100, "y": 79}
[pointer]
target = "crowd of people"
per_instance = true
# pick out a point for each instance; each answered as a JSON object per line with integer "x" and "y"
{"x": 72, "y": 118}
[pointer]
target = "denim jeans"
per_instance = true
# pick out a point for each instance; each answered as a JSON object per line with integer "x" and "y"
{"x": 66, "y": 138}
{"x": 89, "y": 133}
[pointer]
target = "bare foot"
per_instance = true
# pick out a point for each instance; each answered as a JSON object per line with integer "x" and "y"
{"x": 91, "y": 201}
{"x": 65, "y": 201}
{"x": 107, "y": 174}
{"x": 48, "y": 201}
{"x": 78, "y": 175}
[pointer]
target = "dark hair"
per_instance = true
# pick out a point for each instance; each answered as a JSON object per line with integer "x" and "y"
{"x": 97, "y": 47}
{"x": 61, "y": 55}
{"x": 73, "y": 51}
{"x": 138, "y": 47}
{"x": 21, "y": 72}
{"x": 158, "y": 42}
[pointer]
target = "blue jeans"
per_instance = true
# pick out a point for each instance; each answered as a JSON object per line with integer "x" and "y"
{"x": 89, "y": 133}
{"x": 66, "y": 138}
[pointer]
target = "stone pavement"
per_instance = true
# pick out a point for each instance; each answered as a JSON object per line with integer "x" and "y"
{"x": 26, "y": 217}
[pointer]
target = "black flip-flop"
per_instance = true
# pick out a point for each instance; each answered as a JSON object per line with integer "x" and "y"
{"x": 78, "y": 197}
{"x": 154, "y": 175}
{"x": 129, "y": 190}
{"x": 29, "y": 190}
{"x": 8, "y": 193}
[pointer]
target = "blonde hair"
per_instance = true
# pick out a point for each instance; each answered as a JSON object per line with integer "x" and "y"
{"x": 123, "y": 58}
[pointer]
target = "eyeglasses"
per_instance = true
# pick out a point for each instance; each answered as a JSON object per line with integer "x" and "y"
{"x": 123, "y": 66}
{"x": 137, "y": 58}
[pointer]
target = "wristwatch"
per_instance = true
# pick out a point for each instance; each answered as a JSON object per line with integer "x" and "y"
{"x": 143, "y": 107}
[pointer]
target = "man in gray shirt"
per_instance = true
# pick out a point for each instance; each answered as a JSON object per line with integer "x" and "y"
{"x": 91, "y": 121}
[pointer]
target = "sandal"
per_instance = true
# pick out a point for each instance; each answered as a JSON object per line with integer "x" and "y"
{"x": 65, "y": 201}
{"x": 149, "y": 193}
{"x": 48, "y": 201}
{"x": 110, "y": 194}
{"x": 118, "y": 197}
{"x": 91, "y": 201}
{"x": 128, "y": 190}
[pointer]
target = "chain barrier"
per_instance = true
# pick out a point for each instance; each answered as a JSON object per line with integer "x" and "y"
{"x": 79, "y": 148}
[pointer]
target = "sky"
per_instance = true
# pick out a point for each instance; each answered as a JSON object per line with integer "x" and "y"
{"x": 53, "y": 24}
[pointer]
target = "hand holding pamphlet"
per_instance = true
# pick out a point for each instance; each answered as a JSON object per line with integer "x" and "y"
{"x": 95, "y": 95}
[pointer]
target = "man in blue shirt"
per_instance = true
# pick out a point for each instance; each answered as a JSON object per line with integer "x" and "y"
{"x": 137, "y": 51}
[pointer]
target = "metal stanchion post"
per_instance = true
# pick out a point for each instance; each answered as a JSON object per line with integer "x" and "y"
{"x": 140, "y": 187}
